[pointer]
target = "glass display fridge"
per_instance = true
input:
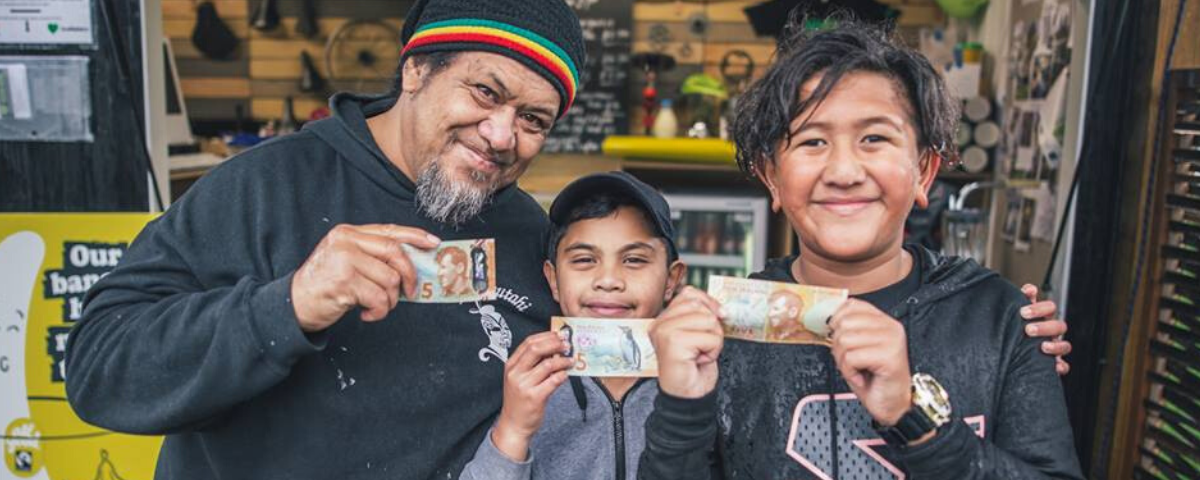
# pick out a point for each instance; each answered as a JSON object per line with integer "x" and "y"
{"x": 719, "y": 235}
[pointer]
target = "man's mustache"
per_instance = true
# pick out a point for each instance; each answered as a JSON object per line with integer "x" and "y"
{"x": 482, "y": 149}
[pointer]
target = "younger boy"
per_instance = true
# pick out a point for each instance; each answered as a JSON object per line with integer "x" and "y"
{"x": 929, "y": 374}
{"x": 611, "y": 255}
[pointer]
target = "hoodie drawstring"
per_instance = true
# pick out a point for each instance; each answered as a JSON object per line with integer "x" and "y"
{"x": 580, "y": 395}
{"x": 830, "y": 368}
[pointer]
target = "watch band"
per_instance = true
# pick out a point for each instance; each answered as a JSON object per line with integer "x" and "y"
{"x": 912, "y": 426}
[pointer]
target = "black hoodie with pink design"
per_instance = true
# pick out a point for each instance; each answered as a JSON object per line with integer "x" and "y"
{"x": 771, "y": 414}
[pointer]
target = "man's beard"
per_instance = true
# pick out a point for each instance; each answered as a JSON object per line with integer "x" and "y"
{"x": 451, "y": 202}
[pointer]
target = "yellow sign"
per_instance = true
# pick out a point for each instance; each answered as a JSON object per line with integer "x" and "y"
{"x": 47, "y": 263}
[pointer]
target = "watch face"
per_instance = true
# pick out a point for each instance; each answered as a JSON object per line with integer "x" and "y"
{"x": 931, "y": 398}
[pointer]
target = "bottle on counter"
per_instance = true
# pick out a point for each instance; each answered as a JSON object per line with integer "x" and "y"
{"x": 287, "y": 124}
{"x": 683, "y": 228}
{"x": 665, "y": 123}
{"x": 731, "y": 236}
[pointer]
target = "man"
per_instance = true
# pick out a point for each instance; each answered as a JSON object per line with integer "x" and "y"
{"x": 233, "y": 323}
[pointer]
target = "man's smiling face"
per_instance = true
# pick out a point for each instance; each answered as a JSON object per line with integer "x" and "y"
{"x": 473, "y": 128}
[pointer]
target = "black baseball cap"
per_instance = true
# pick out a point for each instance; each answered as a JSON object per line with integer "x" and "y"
{"x": 652, "y": 202}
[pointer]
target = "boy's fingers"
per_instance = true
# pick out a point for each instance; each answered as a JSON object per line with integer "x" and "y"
{"x": 848, "y": 365}
{"x": 855, "y": 318}
{"x": 851, "y": 307}
{"x": 543, "y": 390}
{"x": 694, "y": 295}
{"x": 1031, "y": 292}
{"x": 545, "y": 369}
{"x": 1046, "y": 328}
{"x": 698, "y": 323}
{"x": 1057, "y": 348}
{"x": 547, "y": 343}
{"x": 521, "y": 360}
{"x": 1061, "y": 366}
{"x": 691, "y": 309}
{"x": 535, "y": 348}
{"x": 514, "y": 359}
{"x": 697, "y": 344}
{"x": 849, "y": 339}
{"x": 1039, "y": 310}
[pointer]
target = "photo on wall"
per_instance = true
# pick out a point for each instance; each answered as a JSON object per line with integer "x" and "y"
{"x": 1025, "y": 227}
{"x": 1012, "y": 216}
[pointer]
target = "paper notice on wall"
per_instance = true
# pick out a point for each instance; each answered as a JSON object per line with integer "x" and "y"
{"x": 49, "y": 22}
{"x": 1024, "y": 161}
{"x": 1025, "y": 224}
{"x": 14, "y": 92}
{"x": 45, "y": 98}
{"x": 1044, "y": 220}
{"x": 1051, "y": 128}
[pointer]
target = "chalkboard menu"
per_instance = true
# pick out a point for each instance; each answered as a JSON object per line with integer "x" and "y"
{"x": 598, "y": 111}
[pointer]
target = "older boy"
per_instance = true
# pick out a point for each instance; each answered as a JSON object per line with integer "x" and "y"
{"x": 929, "y": 374}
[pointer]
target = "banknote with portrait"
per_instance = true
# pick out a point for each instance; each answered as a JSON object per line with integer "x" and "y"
{"x": 454, "y": 272}
{"x": 775, "y": 312}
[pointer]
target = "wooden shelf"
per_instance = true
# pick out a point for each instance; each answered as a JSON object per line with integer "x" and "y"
{"x": 678, "y": 166}
{"x": 688, "y": 151}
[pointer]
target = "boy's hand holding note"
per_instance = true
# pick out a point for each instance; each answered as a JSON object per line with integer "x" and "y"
{"x": 870, "y": 349}
{"x": 688, "y": 337}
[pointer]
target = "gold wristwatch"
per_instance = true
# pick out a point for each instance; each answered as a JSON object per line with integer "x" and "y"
{"x": 930, "y": 410}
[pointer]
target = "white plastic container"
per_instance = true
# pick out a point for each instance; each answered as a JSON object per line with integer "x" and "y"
{"x": 665, "y": 123}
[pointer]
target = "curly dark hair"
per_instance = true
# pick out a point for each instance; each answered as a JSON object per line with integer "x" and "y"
{"x": 766, "y": 110}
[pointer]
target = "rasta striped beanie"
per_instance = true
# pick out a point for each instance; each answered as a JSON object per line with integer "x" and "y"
{"x": 543, "y": 35}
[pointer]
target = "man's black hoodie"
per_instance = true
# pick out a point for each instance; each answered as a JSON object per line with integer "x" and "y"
{"x": 193, "y": 335}
{"x": 771, "y": 413}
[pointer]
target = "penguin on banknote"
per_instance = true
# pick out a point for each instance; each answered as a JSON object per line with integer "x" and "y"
{"x": 630, "y": 352}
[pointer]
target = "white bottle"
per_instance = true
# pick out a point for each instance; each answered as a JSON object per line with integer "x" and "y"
{"x": 665, "y": 124}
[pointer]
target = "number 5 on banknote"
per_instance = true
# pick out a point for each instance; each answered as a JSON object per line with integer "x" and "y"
{"x": 608, "y": 347}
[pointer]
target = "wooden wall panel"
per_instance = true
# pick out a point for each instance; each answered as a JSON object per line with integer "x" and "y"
{"x": 266, "y": 67}
{"x": 269, "y": 61}
{"x": 215, "y": 87}
{"x": 270, "y": 107}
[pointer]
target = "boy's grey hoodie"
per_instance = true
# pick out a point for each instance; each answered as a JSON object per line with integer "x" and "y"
{"x": 586, "y": 435}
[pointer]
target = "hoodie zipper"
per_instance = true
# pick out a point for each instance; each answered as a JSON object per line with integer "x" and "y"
{"x": 618, "y": 410}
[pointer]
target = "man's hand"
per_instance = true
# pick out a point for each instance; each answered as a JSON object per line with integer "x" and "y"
{"x": 530, "y": 376}
{"x": 871, "y": 352}
{"x": 687, "y": 339}
{"x": 356, "y": 266}
{"x": 1043, "y": 324}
